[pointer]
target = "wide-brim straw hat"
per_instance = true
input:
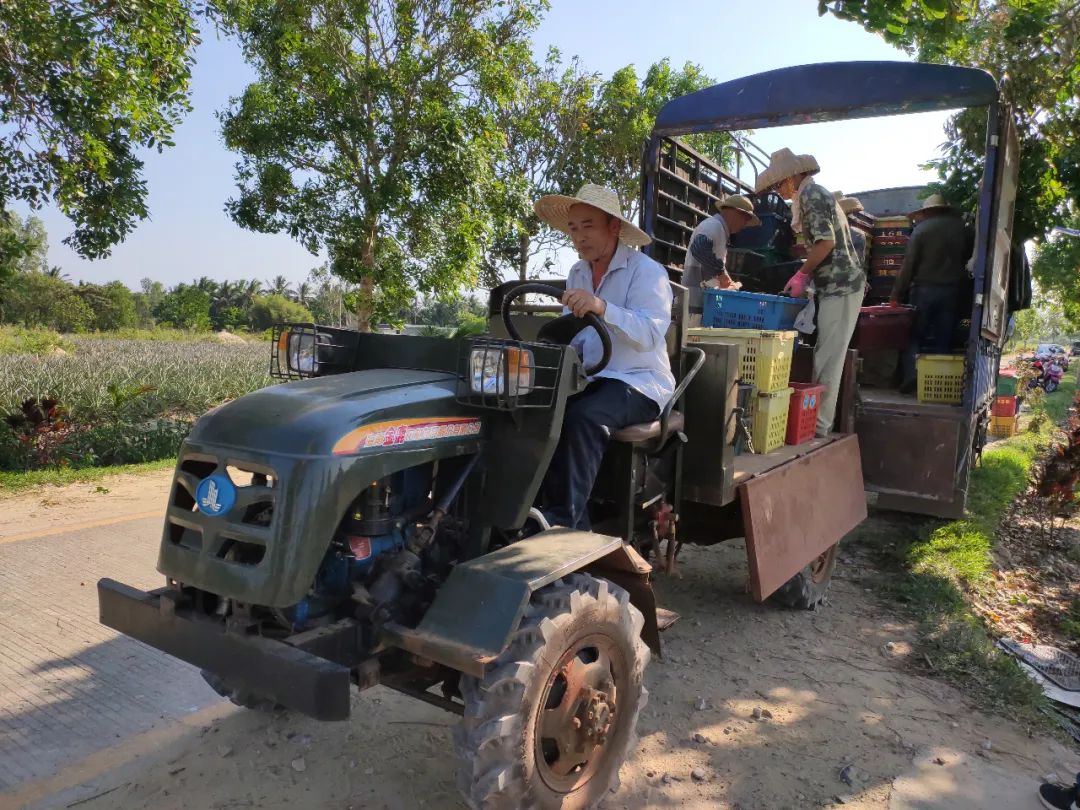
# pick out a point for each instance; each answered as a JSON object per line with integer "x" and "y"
{"x": 739, "y": 203}
{"x": 849, "y": 205}
{"x": 783, "y": 163}
{"x": 932, "y": 203}
{"x": 554, "y": 209}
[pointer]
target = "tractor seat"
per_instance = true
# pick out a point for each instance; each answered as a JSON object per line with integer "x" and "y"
{"x": 632, "y": 434}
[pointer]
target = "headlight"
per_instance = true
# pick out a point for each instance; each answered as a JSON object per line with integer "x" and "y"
{"x": 501, "y": 370}
{"x": 299, "y": 348}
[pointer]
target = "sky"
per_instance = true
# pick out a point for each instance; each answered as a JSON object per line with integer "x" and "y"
{"x": 189, "y": 234}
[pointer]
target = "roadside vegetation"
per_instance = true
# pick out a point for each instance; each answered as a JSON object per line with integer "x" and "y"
{"x": 948, "y": 568}
{"x": 77, "y": 402}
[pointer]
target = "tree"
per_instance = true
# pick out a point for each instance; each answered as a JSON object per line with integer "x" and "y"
{"x": 36, "y": 299}
{"x": 184, "y": 307}
{"x": 1057, "y": 269}
{"x": 112, "y": 305}
{"x": 1032, "y": 44}
{"x": 626, "y": 113}
{"x": 273, "y": 309}
{"x": 363, "y": 133}
{"x": 24, "y": 244}
{"x": 551, "y": 148}
{"x": 147, "y": 300}
{"x": 84, "y": 85}
{"x": 279, "y": 285}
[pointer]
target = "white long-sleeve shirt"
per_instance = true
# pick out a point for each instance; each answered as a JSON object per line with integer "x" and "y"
{"x": 638, "y": 297}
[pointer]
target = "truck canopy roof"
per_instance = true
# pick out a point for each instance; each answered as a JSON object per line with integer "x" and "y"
{"x": 829, "y": 91}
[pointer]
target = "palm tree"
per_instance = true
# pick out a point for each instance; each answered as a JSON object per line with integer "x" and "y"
{"x": 280, "y": 286}
{"x": 249, "y": 290}
{"x": 57, "y": 272}
{"x": 207, "y": 285}
{"x": 303, "y": 293}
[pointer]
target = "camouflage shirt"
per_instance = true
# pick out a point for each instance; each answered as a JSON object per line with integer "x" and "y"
{"x": 842, "y": 272}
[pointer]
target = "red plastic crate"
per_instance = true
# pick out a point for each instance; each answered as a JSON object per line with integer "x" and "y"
{"x": 882, "y": 327}
{"x": 1004, "y": 406}
{"x": 802, "y": 415}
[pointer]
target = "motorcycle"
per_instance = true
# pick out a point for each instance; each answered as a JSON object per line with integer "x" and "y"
{"x": 1051, "y": 377}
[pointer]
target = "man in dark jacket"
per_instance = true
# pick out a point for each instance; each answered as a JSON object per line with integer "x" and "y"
{"x": 934, "y": 271}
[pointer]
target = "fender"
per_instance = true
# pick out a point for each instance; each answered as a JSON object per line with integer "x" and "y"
{"x": 482, "y": 602}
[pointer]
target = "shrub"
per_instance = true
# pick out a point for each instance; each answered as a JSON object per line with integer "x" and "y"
{"x": 267, "y": 310}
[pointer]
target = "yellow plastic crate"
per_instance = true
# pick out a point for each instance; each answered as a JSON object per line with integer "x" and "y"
{"x": 770, "y": 420}
{"x": 764, "y": 357}
{"x": 1004, "y": 426}
{"x": 941, "y": 378}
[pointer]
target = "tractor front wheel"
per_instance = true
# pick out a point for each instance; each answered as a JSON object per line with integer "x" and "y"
{"x": 551, "y": 723}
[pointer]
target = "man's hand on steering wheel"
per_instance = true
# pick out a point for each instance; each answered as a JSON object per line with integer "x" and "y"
{"x": 583, "y": 302}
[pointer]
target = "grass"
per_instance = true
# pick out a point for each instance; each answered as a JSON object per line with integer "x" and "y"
{"x": 15, "y": 483}
{"x": 17, "y": 340}
{"x": 948, "y": 563}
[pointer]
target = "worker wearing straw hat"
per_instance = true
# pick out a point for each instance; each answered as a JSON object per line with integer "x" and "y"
{"x": 631, "y": 293}
{"x": 831, "y": 264}
{"x": 707, "y": 253}
{"x": 851, "y": 205}
{"x": 932, "y": 278}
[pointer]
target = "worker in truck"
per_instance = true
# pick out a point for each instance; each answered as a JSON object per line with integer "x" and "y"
{"x": 631, "y": 293}
{"x": 932, "y": 279}
{"x": 706, "y": 256}
{"x": 851, "y": 205}
{"x": 831, "y": 264}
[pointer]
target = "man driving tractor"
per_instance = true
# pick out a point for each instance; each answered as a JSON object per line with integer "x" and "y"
{"x": 630, "y": 292}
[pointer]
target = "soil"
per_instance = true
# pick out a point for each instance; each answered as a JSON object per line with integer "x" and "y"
{"x": 846, "y": 717}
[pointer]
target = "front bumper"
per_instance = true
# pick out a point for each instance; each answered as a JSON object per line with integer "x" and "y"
{"x": 278, "y": 671}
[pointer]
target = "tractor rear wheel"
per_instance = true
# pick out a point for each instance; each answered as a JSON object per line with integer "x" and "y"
{"x": 552, "y": 722}
{"x": 806, "y": 590}
{"x": 241, "y": 697}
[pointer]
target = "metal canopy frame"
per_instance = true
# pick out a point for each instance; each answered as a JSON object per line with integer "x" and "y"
{"x": 829, "y": 91}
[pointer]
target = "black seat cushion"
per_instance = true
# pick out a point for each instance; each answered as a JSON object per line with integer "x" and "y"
{"x": 649, "y": 430}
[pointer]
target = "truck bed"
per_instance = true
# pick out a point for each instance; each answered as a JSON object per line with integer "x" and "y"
{"x": 751, "y": 465}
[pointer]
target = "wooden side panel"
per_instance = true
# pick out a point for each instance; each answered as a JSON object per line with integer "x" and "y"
{"x": 795, "y": 512}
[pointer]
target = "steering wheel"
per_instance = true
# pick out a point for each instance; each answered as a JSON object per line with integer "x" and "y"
{"x": 562, "y": 329}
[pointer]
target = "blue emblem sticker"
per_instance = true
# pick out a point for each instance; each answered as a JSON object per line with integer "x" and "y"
{"x": 215, "y": 495}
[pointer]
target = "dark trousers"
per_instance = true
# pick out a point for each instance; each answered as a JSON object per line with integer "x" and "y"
{"x": 591, "y": 417}
{"x": 935, "y": 321}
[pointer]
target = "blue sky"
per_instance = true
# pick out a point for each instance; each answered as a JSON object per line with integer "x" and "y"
{"x": 189, "y": 234}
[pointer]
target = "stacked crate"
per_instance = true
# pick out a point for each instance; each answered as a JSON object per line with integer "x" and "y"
{"x": 765, "y": 363}
{"x": 889, "y": 243}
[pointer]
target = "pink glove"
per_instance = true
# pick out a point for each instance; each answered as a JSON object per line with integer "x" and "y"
{"x": 796, "y": 286}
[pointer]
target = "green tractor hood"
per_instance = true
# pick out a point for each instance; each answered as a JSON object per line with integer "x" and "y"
{"x": 319, "y": 443}
{"x": 308, "y": 417}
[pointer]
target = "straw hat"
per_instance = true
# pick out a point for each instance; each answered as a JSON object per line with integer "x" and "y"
{"x": 849, "y": 205}
{"x": 739, "y": 203}
{"x": 933, "y": 202}
{"x": 554, "y": 209}
{"x": 784, "y": 164}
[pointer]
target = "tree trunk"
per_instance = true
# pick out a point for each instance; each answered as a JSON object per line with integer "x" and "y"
{"x": 365, "y": 301}
{"x": 524, "y": 241}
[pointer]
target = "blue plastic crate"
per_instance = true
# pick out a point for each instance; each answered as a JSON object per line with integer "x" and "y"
{"x": 733, "y": 309}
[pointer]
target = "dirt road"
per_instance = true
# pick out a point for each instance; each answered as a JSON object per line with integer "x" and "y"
{"x": 844, "y": 699}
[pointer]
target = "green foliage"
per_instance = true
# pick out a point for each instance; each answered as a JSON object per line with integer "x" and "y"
{"x": 23, "y": 244}
{"x": 39, "y": 300}
{"x": 472, "y": 326}
{"x": 551, "y": 147}
{"x": 1030, "y": 43}
{"x": 112, "y": 305}
{"x": 626, "y": 111}
{"x": 268, "y": 310}
{"x": 19, "y": 340}
{"x": 184, "y": 307}
{"x": 84, "y": 85}
{"x": 1057, "y": 269}
{"x": 360, "y": 137}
